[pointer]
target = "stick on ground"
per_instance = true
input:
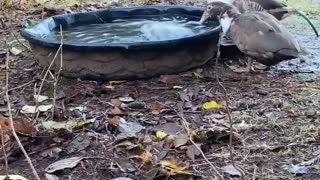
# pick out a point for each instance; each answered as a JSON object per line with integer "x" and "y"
{"x": 11, "y": 120}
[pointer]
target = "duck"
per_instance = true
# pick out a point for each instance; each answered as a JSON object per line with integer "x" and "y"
{"x": 275, "y": 7}
{"x": 257, "y": 34}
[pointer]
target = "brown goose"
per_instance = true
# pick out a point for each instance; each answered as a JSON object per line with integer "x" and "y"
{"x": 257, "y": 34}
{"x": 276, "y": 8}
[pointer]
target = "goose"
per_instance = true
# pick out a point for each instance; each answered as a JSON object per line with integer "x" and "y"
{"x": 276, "y": 8}
{"x": 258, "y": 35}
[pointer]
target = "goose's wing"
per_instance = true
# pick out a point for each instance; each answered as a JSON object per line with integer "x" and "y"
{"x": 271, "y": 5}
{"x": 247, "y": 6}
{"x": 259, "y": 34}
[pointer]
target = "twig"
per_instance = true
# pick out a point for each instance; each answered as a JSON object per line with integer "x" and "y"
{"x": 4, "y": 153}
{"x": 186, "y": 125}
{"x": 18, "y": 87}
{"x": 11, "y": 120}
{"x": 43, "y": 79}
{"x": 254, "y": 173}
{"x": 56, "y": 80}
{"x": 227, "y": 107}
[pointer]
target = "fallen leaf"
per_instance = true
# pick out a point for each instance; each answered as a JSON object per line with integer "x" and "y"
{"x": 130, "y": 127}
{"x": 115, "y": 102}
{"x": 198, "y": 73}
{"x": 238, "y": 69}
{"x": 40, "y": 98}
{"x": 211, "y": 105}
{"x": 67, "y": 125}
{"x": 145, "y": 156}
{"x": 114, "y": 122}
{"x": 126, "y": 99}
{"x": 193, "y": 151}
{"x": 116, "y": 82}
{"x": 53, "y": 152}
{"x": 299, "y": 170}
{"x": 32, "y": 109}
{"x": 231, "y": 170}
{"x": 122, "y": 178}
{"x": 161, "y": 135}
{"x": 169, "y": 79}
{"x": 125, "y": 165}
{"x": 64, "y": 164}
{"x": 155, "y": 109}
{"x": 15, "y": 51}
{"x": 79, "y": 108}
{"x": 78, "y": 144}
{"x": 174, "y": 167}
{"x": 21, "y": 127}
{"x": 168, "y": 128}
{"x": 12, "y": 177}
{"x": 116, "y": 111}
{"x": 51, "y": 177}
{"x": 181, "y": 140}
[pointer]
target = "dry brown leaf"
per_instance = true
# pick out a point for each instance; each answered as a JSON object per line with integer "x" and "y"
{"x": 193, "y": 151}
{"x": 64, "y": 164}
{"x": 181, "y": 140}
{"x": 155, "y": 109}
{"x": 169, "y": 79}
{"x": 116, "y": 111}
{"x": 22, "y": 127}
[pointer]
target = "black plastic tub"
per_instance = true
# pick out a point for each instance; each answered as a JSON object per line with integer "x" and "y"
{"x": 122, "y": 61}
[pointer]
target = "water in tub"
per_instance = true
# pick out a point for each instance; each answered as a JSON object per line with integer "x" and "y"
{"x": 133, "y": 31}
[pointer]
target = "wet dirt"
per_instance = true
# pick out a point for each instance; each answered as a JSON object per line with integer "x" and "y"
{"x": 308, "y": 40}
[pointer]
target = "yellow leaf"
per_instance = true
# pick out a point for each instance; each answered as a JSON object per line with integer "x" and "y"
{"x": 145, "y": 156}
{"x": 211, "y": 105}
{"x": 174, "y": 167}
{"x": 161, "y": 135}
{"x": 116, "y": 82}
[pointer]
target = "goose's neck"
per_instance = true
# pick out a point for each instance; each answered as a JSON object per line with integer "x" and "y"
{"x": 225, "y": 22}
{"x": 228, "y": 17}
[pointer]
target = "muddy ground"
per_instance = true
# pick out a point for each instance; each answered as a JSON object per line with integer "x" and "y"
{"x": 275, "y": 114}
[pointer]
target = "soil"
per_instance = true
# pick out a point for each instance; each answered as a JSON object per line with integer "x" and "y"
{"x": 275, "y": 116}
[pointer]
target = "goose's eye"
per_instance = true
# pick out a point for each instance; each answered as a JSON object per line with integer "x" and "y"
{"x": 209, "y": 8}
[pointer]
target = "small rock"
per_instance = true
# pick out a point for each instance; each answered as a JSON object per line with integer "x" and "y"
{"x": 98, "y": 126}
{"x": 262, "y": 92}
{"x": 137, "y": 105}
{"x": 311, "y": 114}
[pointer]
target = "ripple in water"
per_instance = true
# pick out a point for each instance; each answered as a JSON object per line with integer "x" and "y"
{"x": 133, "y": 31}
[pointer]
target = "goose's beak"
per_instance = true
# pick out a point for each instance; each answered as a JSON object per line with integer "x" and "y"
{"x": 205, "y": 17}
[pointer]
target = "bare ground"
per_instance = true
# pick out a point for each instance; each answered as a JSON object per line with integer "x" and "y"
{"x": 276, "y": 115}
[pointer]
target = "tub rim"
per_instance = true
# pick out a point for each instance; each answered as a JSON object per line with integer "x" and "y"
{"x": 46, "y": 42}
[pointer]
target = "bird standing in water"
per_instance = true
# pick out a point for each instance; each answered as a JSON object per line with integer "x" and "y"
{"x": 257, "y": 34}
